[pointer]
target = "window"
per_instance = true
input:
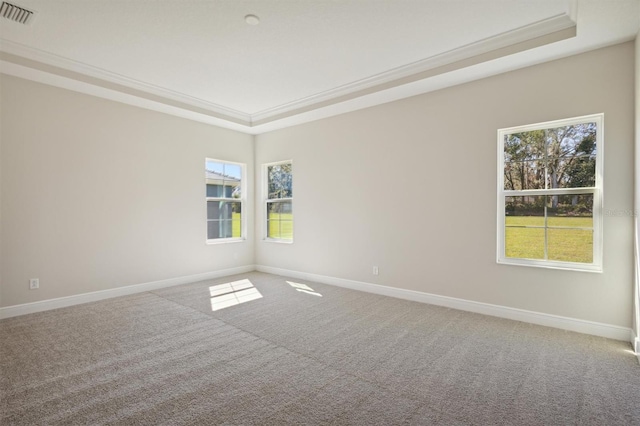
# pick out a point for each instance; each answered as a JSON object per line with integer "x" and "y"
{"x": 225, "y": 200}
{"x": 550, "y": 194}
{"x": 279, "y": 201}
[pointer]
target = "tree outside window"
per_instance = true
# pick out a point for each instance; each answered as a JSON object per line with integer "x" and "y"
{"x": 550, "y": 194}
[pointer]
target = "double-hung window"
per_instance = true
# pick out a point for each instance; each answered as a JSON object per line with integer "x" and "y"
{"x": 278, "y": 180}
{"x": 225, "y": 200}
{"x": 550, "y": 194}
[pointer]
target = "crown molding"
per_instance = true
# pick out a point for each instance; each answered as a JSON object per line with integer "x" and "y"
{"x": 33, "y": 64}
{"x": 71, "y": 84}
{"x": 540, "y": 33}
{"x": 37, "y": 59}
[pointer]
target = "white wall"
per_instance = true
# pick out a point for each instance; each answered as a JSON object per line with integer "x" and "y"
{"x": 410, "y": 186}
{"x": 97, "y": 195}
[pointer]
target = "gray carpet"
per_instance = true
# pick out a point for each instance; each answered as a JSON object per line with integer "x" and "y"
{"x": 296, "y": 354}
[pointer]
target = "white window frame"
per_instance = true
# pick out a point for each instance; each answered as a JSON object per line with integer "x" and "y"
{"x": 267, "y": 201}
{"x": 598, "y": 206}
{"x": 242, "y": 200}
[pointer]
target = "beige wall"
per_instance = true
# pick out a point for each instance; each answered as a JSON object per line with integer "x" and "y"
{"x": 97, "y": 195}
{"x": 636, "y": 298}
{"x": 410, "y": 186}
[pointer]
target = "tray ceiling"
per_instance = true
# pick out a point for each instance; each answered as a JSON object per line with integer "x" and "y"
{"x": 304, "y": 60}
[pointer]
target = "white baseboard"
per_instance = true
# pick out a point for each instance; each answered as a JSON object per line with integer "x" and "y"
{"x": 564, "y": 323}
{"x": 62, "y": 302}
{"x": 635, "y": 341}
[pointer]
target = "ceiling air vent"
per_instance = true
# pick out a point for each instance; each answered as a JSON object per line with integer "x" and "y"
{"x": 16, "y": 13}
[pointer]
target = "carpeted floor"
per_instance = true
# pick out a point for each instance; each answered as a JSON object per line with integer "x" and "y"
{"x": 295, "y": 352}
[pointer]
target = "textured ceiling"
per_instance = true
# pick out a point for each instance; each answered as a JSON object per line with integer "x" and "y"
{"x": 203, "y": 53}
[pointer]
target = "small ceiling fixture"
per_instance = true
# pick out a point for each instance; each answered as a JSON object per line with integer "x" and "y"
{"x": 252, "y": 19}
{"x": 16, "y": 13}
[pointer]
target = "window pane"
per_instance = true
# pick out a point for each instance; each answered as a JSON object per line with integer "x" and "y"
{"x": 236, "y": 227}
{"x": 280, "y": 210}
{"x": 223, "y": 209}
{"x": 236, "y": 220}
{"x": 524, "y": 243}
{"x": 232, "y": 179}
{"x": 281, "y": 229}
{"x": 279, "y": 181}
{"x": 226, "y": 210}
{"x": 570, "y": 245}
{"x": 215, "y": 167}
{"x": 219, "y": 229}
{"x": 214, "y": 175}
{"x": 233, "y": 190}
{"x": 286, "y": 229}
{"x": 273, "y": 228}
{"x": 524, "y": 175}
{"x": 214, "y": 190}
{"x": 213, "y": 229}
{"x": 226, "y": 229}
{"x": 524, "y": 146}
{"x": 223, "y": 180}
{"x": 235, "y": 208}
{"x": 575, "y": 172}
{"x": 213, "y": 209}
{"x": 571, "y": 156}
{"x": 233, "y": 171}
{"x": 280, "y": 220}
{"x": 571, "y": 141}
{"x": 575, "y": 211}
{"x": 524, "y": 211}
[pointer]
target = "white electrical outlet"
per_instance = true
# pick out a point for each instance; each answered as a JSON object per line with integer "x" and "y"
{"x": 34, "y": 283}
{"x": 375, "y": 270}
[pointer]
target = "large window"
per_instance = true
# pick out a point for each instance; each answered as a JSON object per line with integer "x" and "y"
{"x": 279, "y": 201}
{"x": 225, "y": 200}
{"x": 550, "y": 194}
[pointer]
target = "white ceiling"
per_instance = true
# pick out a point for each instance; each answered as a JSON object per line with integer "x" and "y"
{"x": 305, "y": 60}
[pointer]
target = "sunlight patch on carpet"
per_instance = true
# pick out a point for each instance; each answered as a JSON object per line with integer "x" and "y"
{"x": 303, "y": 288}
{"x": 232, "y": 294}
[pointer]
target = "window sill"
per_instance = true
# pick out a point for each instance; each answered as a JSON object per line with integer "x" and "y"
{"x": 565, "y": 266}
{"x": 225, "y": 241}
{"x": 278, "y": 241}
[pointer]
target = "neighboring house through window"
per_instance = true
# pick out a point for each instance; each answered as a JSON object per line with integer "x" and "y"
{"x": 550, "y": 194}
{"x": 278, "y": 178}
{"x": 225, "y": 200}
